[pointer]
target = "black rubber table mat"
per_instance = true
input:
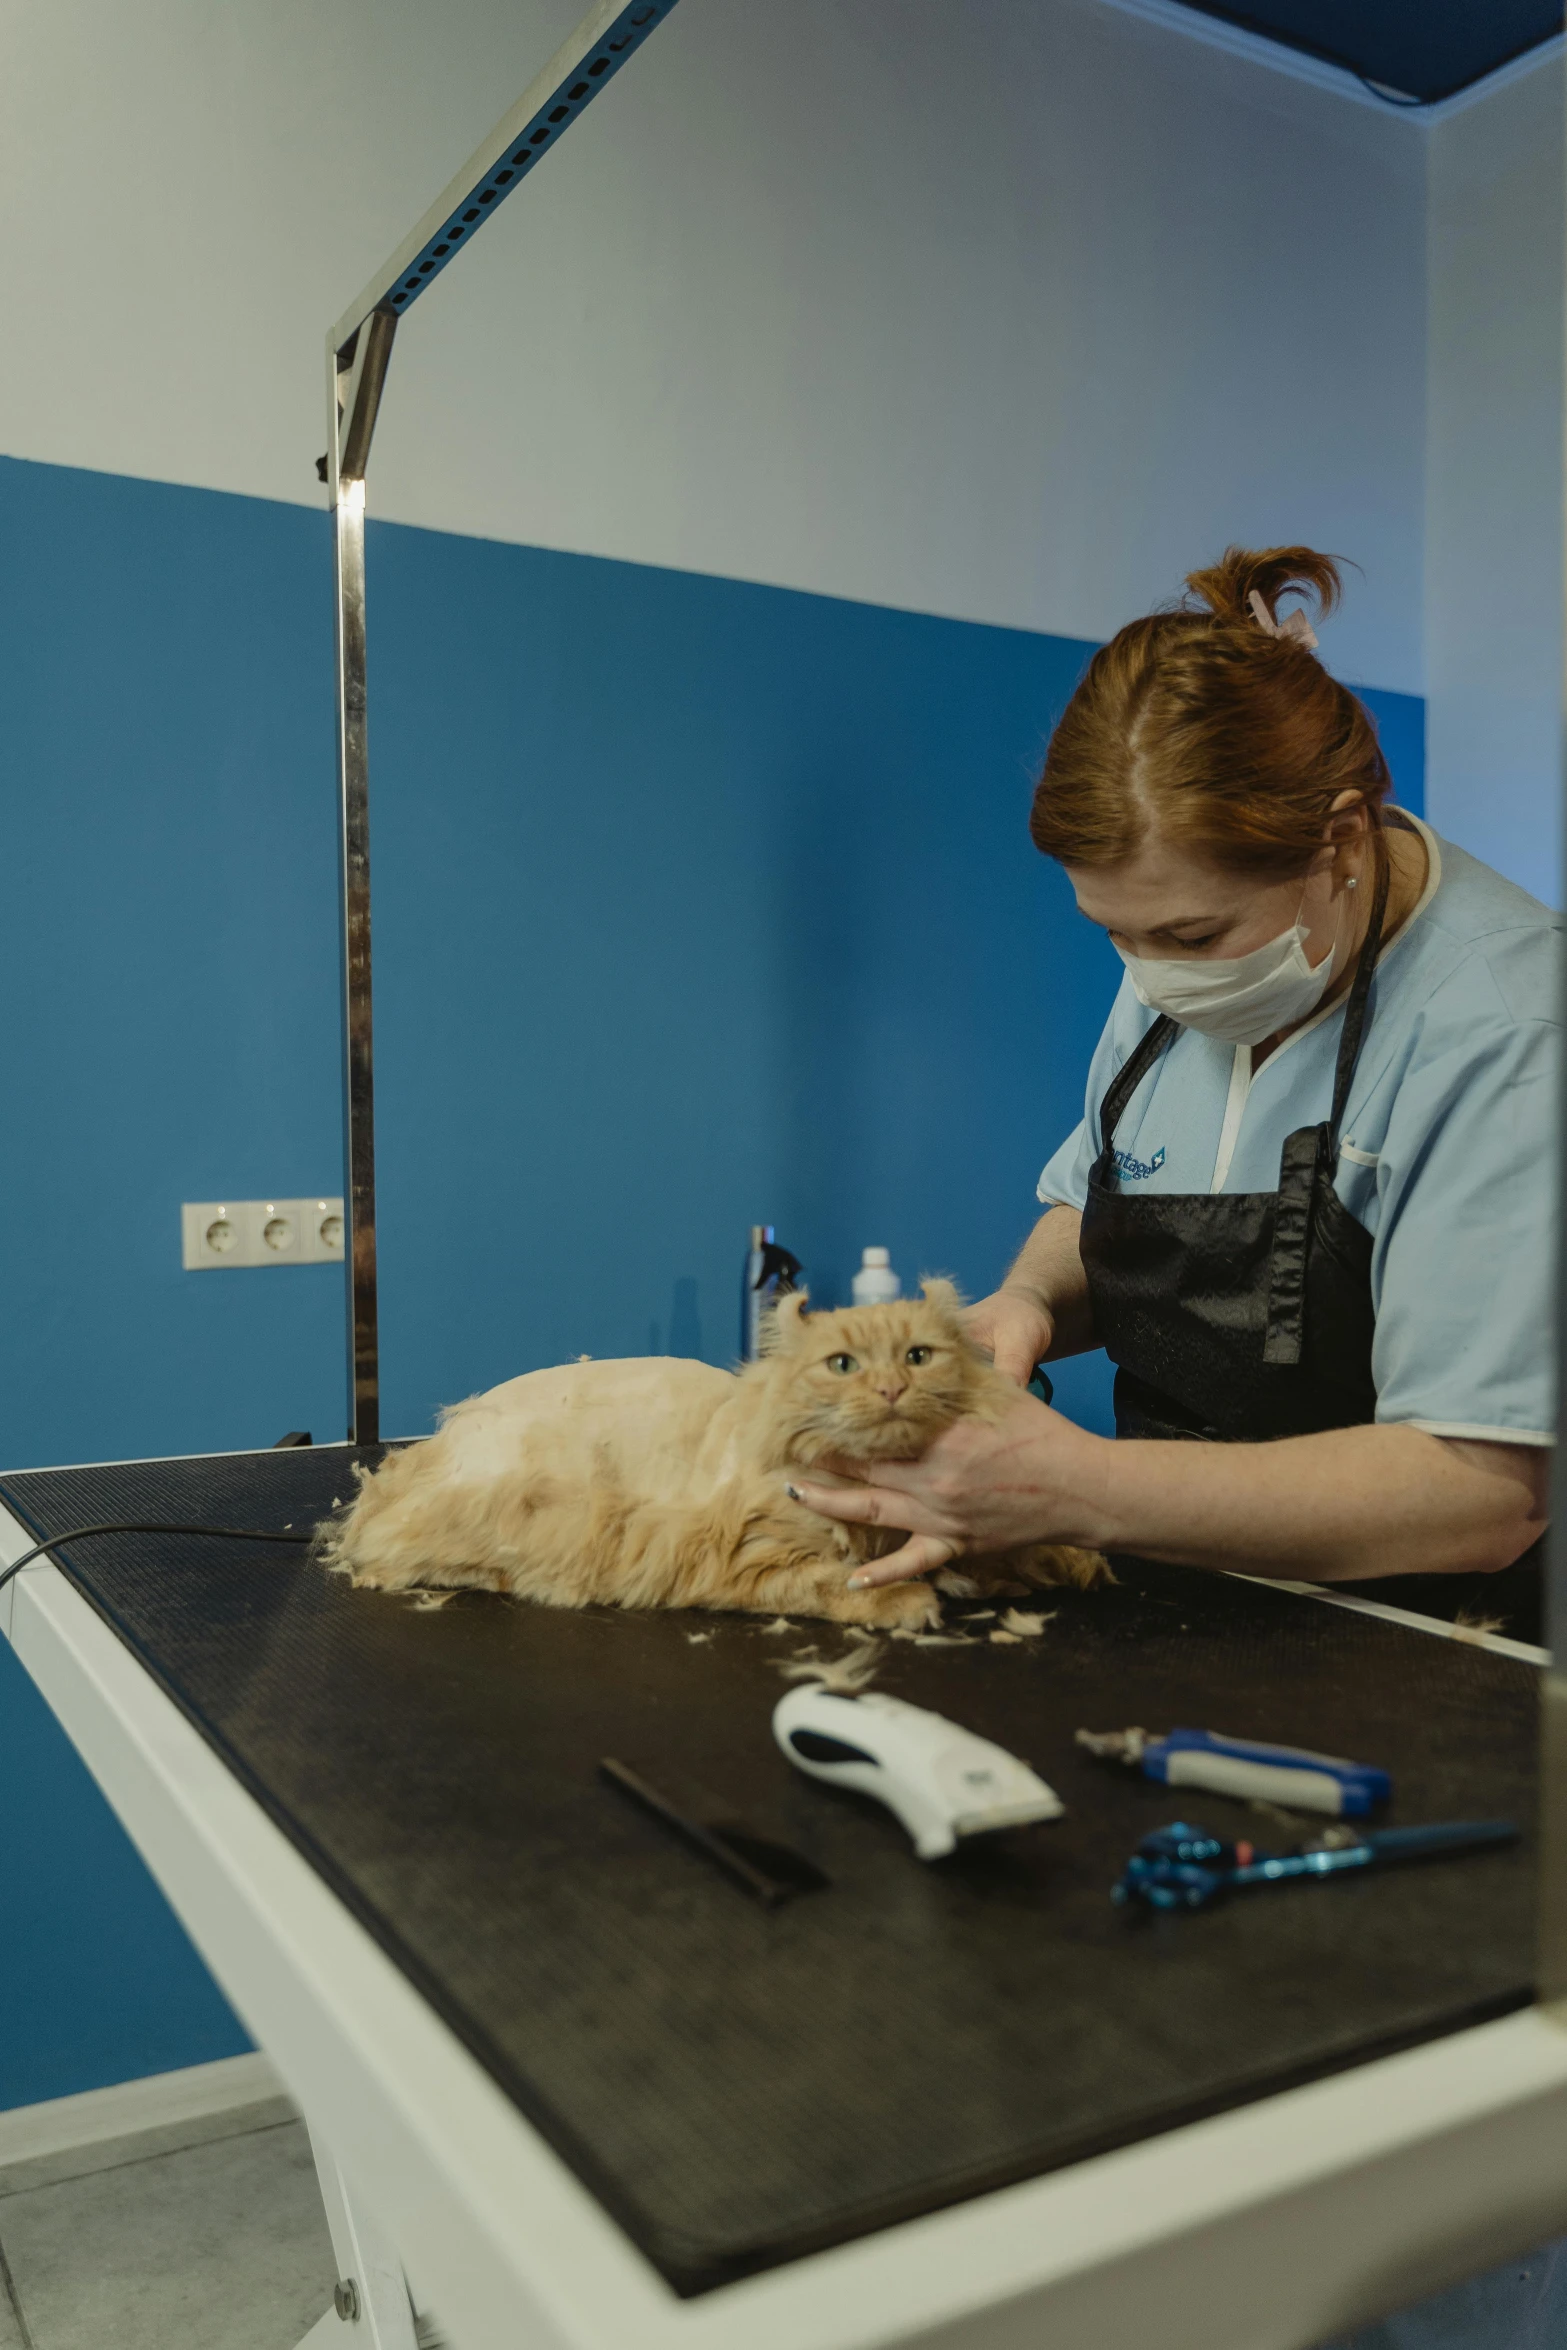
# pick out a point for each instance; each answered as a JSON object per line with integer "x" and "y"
{"x": 740, "y": 2086}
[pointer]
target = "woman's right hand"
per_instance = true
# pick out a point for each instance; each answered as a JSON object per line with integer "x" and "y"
{"x": 1014, "y": 1328}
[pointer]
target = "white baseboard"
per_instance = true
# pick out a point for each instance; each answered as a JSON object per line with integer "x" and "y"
{"x": 60, "y": 2124}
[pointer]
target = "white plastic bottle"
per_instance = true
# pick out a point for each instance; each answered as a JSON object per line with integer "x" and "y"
{"x": 876, "y": 1284}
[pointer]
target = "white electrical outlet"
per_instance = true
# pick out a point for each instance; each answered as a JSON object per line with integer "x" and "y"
{"x": 280, "y": 1232}
{"x": 223, "y": 1235}
{"x": 320, "y": 1231}
{"x": 216, "y": 1233}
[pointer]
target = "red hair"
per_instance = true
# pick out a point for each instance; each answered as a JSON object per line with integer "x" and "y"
{"x": 1235, "y": 742}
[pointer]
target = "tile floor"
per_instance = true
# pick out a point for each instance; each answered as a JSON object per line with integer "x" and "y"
{"x": 204, "y": 2235}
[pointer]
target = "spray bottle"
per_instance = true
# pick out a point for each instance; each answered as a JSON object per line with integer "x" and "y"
{"x": 769, "y": 1274}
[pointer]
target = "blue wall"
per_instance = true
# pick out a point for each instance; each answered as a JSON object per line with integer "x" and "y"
{"x": 98, "y": 1982}
{"x": 742, "y": 882}
{"x": 696, "y": 904}
{"x": 167, "y": 842}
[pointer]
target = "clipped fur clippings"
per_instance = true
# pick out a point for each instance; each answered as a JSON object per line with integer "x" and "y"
{"x": 844, "y": 1676}
{"x": 1473, "y": 1627}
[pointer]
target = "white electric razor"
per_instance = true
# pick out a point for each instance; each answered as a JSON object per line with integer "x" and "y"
{"x": 941, "y": 1780}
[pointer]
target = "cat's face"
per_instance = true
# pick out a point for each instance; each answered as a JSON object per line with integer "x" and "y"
{"x": 869, "y": 1382}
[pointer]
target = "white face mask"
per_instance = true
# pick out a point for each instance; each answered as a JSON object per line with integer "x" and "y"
{"x": 1241, "y": 998}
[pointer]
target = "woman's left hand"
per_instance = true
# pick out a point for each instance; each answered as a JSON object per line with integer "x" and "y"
{"x": 977, "y": 1488}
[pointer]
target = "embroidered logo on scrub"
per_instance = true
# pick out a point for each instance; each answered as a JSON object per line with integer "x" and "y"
{"x": 1138, "y": 1170}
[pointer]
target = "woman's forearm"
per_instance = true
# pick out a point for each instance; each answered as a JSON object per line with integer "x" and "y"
{"x": 1049, "y": 1270}
{"x": 1350, "y": 1504}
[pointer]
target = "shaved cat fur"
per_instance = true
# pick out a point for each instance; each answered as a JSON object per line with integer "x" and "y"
{"x": 659, "y": 1482}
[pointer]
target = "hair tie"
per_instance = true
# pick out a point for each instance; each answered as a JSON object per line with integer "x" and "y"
{"x": 1297, "y": 627}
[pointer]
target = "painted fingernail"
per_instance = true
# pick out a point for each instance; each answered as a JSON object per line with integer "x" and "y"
{"x": 794, "y": 1493}
{"x": 859, "y": 1582}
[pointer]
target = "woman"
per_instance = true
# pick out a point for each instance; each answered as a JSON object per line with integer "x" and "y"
{"x": 1310, "y": 1210}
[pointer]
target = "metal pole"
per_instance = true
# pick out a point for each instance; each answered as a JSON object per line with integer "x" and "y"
{"x": 358, "y": 350}
{"x": 1552, "y": 1952}
{"x": 1553, "y": 1771}
{"x": 355, "y": 375}
{"x": 1551, "y": 1957}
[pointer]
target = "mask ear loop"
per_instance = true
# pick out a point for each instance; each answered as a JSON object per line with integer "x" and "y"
{"x": 1351, "y": 881}
{"x": 1296, "y": 925}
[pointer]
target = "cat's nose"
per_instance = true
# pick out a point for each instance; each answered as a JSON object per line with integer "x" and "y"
{"x": 891, "y": 1393}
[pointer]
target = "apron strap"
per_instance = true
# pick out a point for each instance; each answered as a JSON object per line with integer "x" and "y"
{"x": 1355, "y": 1009}
{"x": 1129, "y": 1077}
{"x": 1312, "y": 1153}
{"x": 1303, "y": 1154}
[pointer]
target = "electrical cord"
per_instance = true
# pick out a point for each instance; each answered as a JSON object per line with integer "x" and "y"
{"x": 144, "y": 1526}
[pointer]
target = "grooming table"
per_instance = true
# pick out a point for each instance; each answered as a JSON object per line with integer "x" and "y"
{"x": 596, "y": 2097}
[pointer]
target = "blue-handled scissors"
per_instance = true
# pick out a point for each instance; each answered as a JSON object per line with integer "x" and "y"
{"x": 1184, "y": 1867}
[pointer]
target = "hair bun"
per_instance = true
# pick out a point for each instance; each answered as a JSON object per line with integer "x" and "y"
{"x": 1227, "y": 587}
{"x": 1211, "y": 721}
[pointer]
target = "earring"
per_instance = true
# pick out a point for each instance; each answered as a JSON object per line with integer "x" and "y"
{"x": 1353, "y": 882}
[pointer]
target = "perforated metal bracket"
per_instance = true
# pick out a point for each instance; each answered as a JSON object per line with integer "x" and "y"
{"x": 585, "y": 65}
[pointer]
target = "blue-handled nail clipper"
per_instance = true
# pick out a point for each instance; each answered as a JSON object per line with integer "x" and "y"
{"x": 1184, "y": 1867}
{"x": 1289, "y": 1775}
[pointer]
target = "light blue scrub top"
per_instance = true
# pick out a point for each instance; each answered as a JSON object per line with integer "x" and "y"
{"x": 1449, "y": 1157}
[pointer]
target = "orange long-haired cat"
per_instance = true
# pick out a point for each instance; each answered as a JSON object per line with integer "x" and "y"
{"x": 660, "y": 1482}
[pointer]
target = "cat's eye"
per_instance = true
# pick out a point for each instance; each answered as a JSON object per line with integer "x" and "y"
{"x": 917, "y": 1355}
{"x": 842, "y": 1363}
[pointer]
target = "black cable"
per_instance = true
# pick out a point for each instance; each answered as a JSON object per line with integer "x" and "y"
{"x": 145, "y": 1526}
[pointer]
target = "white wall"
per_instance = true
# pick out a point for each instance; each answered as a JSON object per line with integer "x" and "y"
{"x": 1494, "y": 496}
{"x": 1014, "y": 309}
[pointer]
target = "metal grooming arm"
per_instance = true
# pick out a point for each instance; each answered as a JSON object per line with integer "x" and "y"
{"x": 1553, "y": 1696}
{"x": 358, "y": 349}
{"x": 1553, "y": 1706}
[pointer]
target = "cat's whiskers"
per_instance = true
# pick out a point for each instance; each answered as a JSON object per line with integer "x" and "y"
{"x": 891, "y": 1435}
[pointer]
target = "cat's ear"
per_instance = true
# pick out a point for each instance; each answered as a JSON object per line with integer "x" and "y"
{"x": 781, "y": 1328}
{"x": 941, "y": 1293}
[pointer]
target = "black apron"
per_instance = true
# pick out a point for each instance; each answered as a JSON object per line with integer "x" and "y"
{"x": 1240, "y": 1317}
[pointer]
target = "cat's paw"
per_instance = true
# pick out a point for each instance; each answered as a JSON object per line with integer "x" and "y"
{"x": 365, "y": 1578}
{"x": 1056, "y": 1563}
{"x": 421, "y": 1584}
{"x": 896, "y": 1607}
{"x": 955, "y": 1585}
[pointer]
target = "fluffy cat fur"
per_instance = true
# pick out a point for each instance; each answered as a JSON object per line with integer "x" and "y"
{"x": 660, "y": 1483}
